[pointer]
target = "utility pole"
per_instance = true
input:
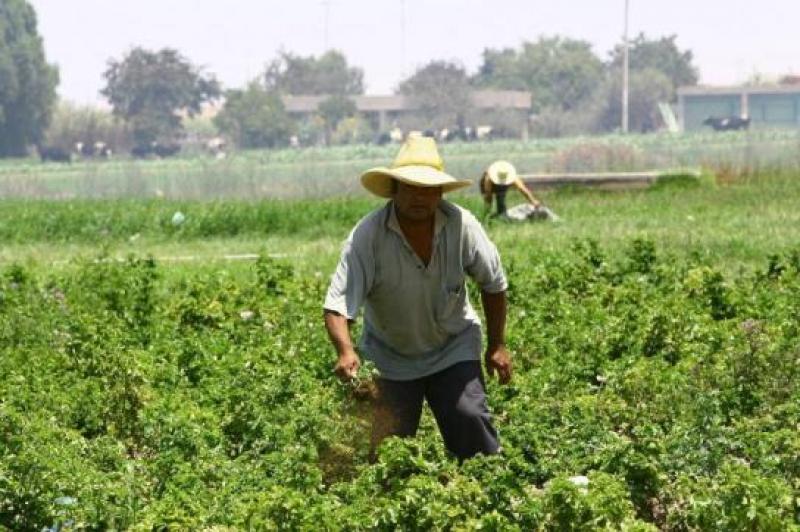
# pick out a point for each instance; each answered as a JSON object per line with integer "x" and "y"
{"x": 625, "y": 73}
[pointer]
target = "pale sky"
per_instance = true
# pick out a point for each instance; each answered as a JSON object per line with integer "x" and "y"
{"x": 235, "y": 39}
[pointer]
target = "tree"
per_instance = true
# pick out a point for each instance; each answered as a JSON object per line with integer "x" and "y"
{"x": 789, "y": 79}
{"x": 441, "y": 90}
{"x": 662, "y": 55}
{"x": 254, "y": 118}
{"x": 333, "y": 110}
{"x": 151, "y": 90}
{"x": 85, "y": 124}
{"x": 27, "y": 82}
{"x": 647, "y": 88}
{"x": 330, "y": 74}
{"x": 353, "y": 130}
{"x": 561, "y": 73}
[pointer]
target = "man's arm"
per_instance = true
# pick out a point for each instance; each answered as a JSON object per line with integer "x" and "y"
{"x": 486, "y": 191}
{"x": 497, "y": 356}
{"x": 339, "y": 333}
{"x": 525, "y": 191}
{"x": 349, "y": 286}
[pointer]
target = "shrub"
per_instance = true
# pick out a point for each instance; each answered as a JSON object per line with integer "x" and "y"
{"x": 72, "y": 124}
{"x": 597, "y": 157}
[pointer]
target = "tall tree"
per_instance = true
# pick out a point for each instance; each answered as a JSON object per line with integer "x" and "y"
{"x": 662, "y": 55}
{"x": 442, "y": 92}
{"x": 27, "y": 81}
{"x": 328, "y": 74}
{"x": 254, "y": 118}
{"x": 333, "y": 110}
{"x": 152, "y": 90}
{"x": 561, "y": 73}
{"x": 647, "y": 88}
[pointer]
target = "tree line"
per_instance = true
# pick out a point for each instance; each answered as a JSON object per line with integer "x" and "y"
{"x": 153, "y": 92}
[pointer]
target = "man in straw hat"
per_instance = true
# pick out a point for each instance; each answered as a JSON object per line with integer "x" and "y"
{"x": 495, "y": 182}
{"x": 406, "y": 263}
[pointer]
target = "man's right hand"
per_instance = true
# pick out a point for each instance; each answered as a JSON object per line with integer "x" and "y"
{"x": 339, "y": 333}
{"x": 347, "y": 365}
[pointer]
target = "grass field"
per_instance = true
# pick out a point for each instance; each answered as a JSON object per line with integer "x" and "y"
{"x": 654, "y": 332}
{"x": 735, "y": 222}
{"x": 322, "y": 172}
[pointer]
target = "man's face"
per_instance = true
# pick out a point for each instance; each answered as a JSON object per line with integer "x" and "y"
{"x": 416, "y": 203}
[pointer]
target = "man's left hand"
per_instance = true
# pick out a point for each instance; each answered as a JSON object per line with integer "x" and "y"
{"x": 498, "y": 360}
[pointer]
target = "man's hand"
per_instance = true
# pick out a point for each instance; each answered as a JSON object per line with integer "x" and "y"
{"x": 497, "y": 357}
{"x": 347, "y": 365}
{"x": 499, "y": 360}
{"x": 339, "y": 333}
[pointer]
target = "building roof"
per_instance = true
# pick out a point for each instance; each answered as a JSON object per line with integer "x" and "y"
{"x": 480, "y": 99}
{"x": 704, "y": 90}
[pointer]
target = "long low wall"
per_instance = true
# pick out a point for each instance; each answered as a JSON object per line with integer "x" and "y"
{"x": 607, "y": 180}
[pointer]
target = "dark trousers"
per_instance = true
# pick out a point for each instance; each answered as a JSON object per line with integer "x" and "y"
{"x": 457, "y": 398}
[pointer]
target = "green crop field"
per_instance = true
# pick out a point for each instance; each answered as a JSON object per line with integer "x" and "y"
{"x": 147, "y": 382}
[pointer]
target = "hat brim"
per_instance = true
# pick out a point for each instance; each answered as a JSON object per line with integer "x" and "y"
{"x": 379, "y": 180}
{"x": 497, "y": 180}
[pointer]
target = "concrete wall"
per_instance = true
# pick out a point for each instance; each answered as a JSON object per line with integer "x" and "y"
{"x": 775, "y": 110}
{"x": 766, "y": 108}
{"x": 698, "y": 108}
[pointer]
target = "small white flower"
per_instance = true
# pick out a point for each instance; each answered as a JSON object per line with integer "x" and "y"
{"x": 247, "y": 315}
{"x": 580, "y": 481}
{"x": 178, "y": 218}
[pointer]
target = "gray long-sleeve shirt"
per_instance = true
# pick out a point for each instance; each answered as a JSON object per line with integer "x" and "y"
{"x": 417, "y": 319}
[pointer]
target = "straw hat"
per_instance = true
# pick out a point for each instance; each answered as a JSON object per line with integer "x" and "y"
{"x": 502, "y": 173}
{"x": 418, "y": 163}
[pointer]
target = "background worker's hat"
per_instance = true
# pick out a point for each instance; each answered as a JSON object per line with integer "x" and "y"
{"x": 501, "y": 173}
{"x": 418, "y": 163}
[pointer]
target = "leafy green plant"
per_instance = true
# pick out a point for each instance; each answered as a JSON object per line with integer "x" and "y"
{"x": 201, "y": 396}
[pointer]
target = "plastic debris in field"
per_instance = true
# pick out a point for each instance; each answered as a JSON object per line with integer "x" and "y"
{"x": 526, "y": 211}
